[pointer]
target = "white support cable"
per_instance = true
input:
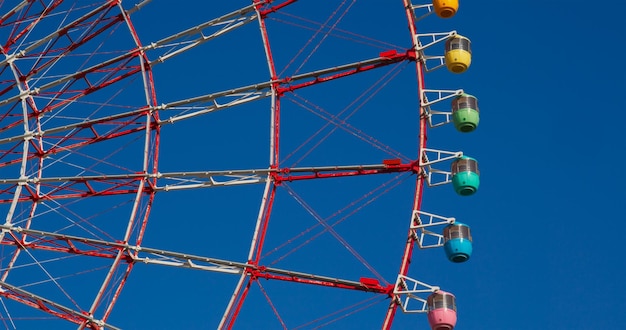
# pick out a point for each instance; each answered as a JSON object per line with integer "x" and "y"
{"x": 409, "y": 290}
{"x": 41, "y": 300}
{"x": 4, "y": 306}
{"x": 40, "y": 265}
{"x": 30, "y": 49}
{"x": 422, "y": 222}
{"x": 194, "y": 30}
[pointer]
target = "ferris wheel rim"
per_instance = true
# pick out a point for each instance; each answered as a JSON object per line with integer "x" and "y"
{"x": 145, "y": 183}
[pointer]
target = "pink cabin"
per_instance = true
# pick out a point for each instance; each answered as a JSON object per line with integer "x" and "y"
{"x": 441, "y": 310}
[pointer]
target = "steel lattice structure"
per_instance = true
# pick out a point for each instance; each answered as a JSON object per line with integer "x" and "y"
{"x": 81, "y": 133}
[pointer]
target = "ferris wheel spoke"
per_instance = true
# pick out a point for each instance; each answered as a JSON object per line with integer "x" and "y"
{"x": 58, "y": 188}
{"x": 365, "y": 284}
{"x": 285, "y": 85}
{"x": 190, "y": 180}
{"x": 188, "y": 108}
{"x": 188, "y": 39}
{"x": 44, "y": 240}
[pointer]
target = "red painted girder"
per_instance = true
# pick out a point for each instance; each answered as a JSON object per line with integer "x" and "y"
{"x": 134, "y": 124}
{"x": 76, "y": 95}
{"x": 66, "y": 245}
{"x": 287, "y": 174}
{"x": 118, "y": 65}
{"x": 79, "y": 189}
{"x": 41, "y": 305}
{"x": 104, "y": 67}
{"x": 364, "y": 284}
{"x": 417, "y": 200}
{"x": 317, "y": 77}
{"x": 274, "y": 8}
{"x": 52, "y": 241}
{"x": 136, "y": 117}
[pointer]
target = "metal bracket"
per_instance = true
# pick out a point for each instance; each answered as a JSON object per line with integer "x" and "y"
{"x": 438, "y": 95}
{"x": 420, "y": 228}
{"x": 432, "y": 39}
{"x": 426, "y": 40}
{"x": 429, "y": 9}
{"x": 410, "y": 290}
{"x": 434, "y": 176}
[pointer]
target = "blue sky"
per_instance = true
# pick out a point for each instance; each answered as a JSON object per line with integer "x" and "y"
{"x": 546, "y": 221}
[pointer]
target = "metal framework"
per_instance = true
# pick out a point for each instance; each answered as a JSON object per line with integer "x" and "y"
{"x": 422, "y": 224}
{"x": 42, "y": 130}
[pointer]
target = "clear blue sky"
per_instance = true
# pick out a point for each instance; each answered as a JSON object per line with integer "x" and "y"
{"x": 546, "y": 222}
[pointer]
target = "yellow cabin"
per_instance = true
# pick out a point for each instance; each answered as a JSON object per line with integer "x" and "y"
{"x": 445, "y": 8}
{"x": 458, "y": 54}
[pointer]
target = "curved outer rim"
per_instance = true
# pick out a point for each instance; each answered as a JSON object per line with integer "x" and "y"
{"x": 419, "y": 186}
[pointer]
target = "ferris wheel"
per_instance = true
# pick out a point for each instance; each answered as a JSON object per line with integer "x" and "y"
{"x": 276, "y": 150}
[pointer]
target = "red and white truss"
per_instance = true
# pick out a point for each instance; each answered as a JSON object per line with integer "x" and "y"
{"x": 80, "y": 135}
